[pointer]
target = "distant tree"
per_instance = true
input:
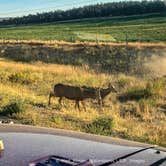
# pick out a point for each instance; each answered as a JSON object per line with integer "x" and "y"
{"x": 123, "y": 8}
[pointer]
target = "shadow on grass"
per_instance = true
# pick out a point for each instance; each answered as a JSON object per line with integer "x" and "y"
{"x": 103, "y": 57}
{"x": 134, "y": 95}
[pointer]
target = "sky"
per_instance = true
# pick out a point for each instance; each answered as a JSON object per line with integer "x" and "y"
{"x": 12, "y": 8}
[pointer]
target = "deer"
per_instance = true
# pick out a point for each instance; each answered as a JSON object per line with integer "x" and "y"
{"x": 72, "y": 93}
{"x": 79, "y": 93}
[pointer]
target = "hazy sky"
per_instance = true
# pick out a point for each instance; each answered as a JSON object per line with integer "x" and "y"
{"x": 10, "y": 8}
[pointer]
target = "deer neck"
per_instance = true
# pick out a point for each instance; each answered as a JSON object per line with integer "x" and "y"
{"x": 105, "y": 92}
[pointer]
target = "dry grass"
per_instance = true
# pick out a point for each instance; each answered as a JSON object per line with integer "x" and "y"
{"x": 77, "y": 43}
{"x": 142, "y": 120}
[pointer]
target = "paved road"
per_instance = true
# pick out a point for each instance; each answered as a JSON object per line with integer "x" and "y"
{"x": 21, "y": 147}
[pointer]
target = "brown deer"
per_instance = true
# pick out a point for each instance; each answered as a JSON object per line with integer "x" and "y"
{"x": 73, "y": 93}
{"x": 79, "y": 93}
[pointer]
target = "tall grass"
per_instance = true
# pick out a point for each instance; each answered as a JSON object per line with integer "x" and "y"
{"x": 142, "y": 120}
{"x": 103, "y": 57}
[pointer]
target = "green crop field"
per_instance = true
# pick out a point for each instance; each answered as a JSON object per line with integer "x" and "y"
{"x": 149, "y": 28}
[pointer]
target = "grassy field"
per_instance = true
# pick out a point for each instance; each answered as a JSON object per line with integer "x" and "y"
{"x": 29, "y": 69}
{"x": 136, "y": 112}
{"x": 149, "y": 28}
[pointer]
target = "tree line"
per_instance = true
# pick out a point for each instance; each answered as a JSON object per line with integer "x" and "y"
{"x": 123, "y": 8}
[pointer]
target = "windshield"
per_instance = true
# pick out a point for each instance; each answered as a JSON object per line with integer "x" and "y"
{"x": 91, "y": 70}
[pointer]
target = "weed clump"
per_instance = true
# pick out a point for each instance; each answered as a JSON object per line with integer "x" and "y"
{"x": 157, "y": 88}
{"x": 101, "y": 125}
{"x": 13, "y": 108}
{"x": 24, "y": 77}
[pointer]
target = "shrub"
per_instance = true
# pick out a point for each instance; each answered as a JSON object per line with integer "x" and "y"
{"x": 4, "y": 75}
{"x": 125, "y": 81}
{"x": 25, "y": 77}
{"x": 102, "y": 125}
{"x": 13, "y": 108}
{"x": 57, "y": 119}
{"x": 156, "y": 88}
{"x": 28, "y": 118}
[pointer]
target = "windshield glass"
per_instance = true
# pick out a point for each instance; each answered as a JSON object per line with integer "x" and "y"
{"x": 82, "y": 70}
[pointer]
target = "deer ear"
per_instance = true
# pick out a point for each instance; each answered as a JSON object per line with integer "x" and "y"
{"x": 112, "y": 86}
{"x": 109, "y": 84}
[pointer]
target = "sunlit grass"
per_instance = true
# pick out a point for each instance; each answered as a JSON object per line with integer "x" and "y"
{"x": 140, "y": 120}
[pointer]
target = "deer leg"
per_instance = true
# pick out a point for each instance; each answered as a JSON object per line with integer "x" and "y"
{"x": 100, "y": 101}
{"x": 77, "y": 105}
{"x": 60, "y": 101}
{"x": 49, "y": 100}
{"x": 83, "y": 104}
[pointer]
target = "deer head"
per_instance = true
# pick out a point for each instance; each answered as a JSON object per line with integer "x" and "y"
{"x": 112, "y": 87}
